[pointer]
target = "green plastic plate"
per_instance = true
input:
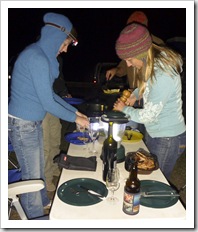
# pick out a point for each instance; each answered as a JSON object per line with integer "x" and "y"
{"x": 67, "y": 192}
{"x": 156, "y": 202}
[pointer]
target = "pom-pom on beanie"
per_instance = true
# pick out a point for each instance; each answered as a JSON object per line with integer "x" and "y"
{"x": 139, "y": 17}
{"x": 133, "y": 41}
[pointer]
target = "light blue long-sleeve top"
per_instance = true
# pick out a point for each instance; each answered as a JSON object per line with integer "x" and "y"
{"x": 33, "y": 75}
{"x": 162, "y": 111}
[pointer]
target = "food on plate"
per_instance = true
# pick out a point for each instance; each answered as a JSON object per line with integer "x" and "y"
{"x": 110, "y": 91}
{"x": 145, "y": 162}
{"x": 82, "y": 138}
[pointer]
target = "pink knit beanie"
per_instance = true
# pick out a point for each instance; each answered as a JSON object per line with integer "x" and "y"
{"x": 133, "y": 41}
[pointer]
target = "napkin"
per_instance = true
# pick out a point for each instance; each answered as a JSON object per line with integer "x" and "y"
{"x": 75, "y": 162}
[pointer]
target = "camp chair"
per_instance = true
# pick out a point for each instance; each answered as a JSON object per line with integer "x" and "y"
{"x": 16, "y": 187}
{"x": 21, "y": 187}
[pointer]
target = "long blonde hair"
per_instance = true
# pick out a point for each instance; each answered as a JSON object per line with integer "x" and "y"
{"x": 161, "y": 57}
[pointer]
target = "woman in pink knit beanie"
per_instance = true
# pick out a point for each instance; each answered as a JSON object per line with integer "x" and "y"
{"x": 159, "y": 85}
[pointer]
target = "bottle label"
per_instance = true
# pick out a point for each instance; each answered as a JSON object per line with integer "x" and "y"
{"x": 131, "y": 203}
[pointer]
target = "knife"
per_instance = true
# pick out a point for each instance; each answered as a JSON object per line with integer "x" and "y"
{"x": 92, "y": 192}
{"x": 160, "y": 194}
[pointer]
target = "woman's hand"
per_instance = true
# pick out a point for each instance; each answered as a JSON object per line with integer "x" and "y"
{"x": 119, "y": 105}
{"x": 131, "y": 100}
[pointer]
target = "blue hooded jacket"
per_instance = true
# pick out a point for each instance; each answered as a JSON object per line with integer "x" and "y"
{"x": 34, "y": 73}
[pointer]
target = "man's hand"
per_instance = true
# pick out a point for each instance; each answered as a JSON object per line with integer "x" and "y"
{"x": 110, "y": 73}
{"x": 80, "y": 114}
{"x": 82, "y": 121}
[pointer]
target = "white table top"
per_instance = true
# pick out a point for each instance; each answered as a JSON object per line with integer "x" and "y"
{"x": 103, "y": 210}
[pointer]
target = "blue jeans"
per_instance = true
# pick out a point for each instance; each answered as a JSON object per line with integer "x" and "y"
{"x": 27, "y": 140}
{"x": 167, "y": 150}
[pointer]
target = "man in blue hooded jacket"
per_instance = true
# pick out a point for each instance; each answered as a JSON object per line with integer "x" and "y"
{"x": 32, "y": 96}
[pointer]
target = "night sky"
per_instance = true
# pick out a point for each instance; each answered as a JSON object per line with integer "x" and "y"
{"x": 97, "y": 28}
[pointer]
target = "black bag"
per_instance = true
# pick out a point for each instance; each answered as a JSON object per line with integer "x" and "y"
{"x": 75, "y": 162}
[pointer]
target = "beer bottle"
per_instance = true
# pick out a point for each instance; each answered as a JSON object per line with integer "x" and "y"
{"x": 131, "y": 201}
{"x": 109, "y": 152}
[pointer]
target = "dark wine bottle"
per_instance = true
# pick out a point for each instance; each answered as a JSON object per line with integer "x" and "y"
{"x": 109, "y": 152}
{"x": 131, "y": 201}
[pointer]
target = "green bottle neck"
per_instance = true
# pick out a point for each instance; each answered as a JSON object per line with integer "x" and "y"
{"x": 110, "y": 132}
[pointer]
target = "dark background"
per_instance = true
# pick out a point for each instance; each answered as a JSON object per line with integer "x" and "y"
{"x": 97, "y": 28}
